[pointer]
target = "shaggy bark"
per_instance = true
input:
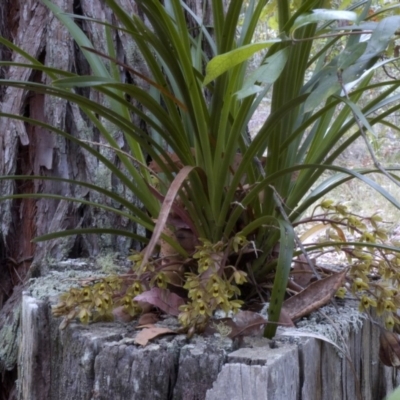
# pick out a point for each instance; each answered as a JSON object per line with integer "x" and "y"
{"x": 33, "y": 150}
{"x": 29, "y": 150}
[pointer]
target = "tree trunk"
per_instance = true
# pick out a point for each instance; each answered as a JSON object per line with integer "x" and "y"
{"x": 30, "y": 150}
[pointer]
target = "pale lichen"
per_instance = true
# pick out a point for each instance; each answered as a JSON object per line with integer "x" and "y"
{"x": 334, "y": 323}
{"x": 57, "y": 282}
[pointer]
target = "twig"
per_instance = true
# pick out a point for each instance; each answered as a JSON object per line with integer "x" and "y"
{"x": 253, "y": 281}
{"x": 20, "y": 261}
{"x": 16, "y": 272}
{"x": 387, "y": 73}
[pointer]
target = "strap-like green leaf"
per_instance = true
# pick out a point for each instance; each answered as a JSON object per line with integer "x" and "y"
{"x": 222, "y": 63}
{"x": 286, "y": 248}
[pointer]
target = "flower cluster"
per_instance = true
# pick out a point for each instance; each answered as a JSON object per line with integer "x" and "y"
{"x": 214, "y": 285}
{"x": 93, "y": 301}
{"x": 374, "y": 273}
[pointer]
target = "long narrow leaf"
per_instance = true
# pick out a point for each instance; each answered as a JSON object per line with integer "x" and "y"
{"x": 222, "y": 63}
{"x": 286, "y": 249}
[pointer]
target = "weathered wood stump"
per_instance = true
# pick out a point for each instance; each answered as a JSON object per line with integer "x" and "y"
{"x": 101, "y": 361}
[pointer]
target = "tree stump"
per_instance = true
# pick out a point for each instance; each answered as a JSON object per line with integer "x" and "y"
{"x": 102, "y": 361}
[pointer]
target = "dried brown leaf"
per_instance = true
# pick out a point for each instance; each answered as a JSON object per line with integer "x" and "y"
{"x": 178, "y": 217}
{"x": 248, "y": 323}
{"x": 145, "y": 326}
{"x": 171, "y": 261}
{"x": 165, "y": 211}
{"x": 147, "y": 334}
{"x": 177, "y": 222}
{"x": 389, "y": 348}
{"x": 244, "y": 323}
{"x": 163, "y": 299}
{"x": 302, "y": 272}
{"x": 285, "y": 320}
{"x": 121, "y": 315}
{"x": 314, "y": 296}
{"x": 187, "y": 239}
{"x": 148, "y": 318}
